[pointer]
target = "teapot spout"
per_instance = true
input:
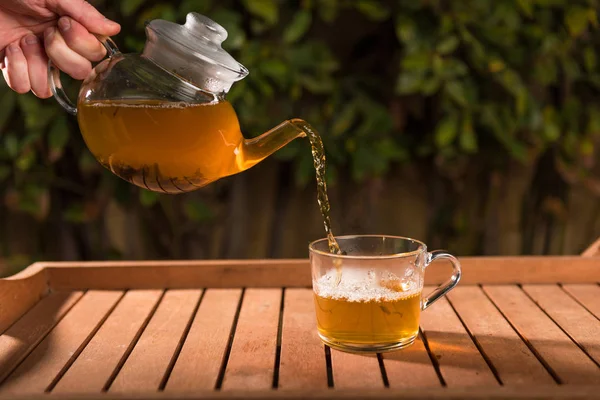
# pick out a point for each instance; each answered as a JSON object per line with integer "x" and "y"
{"x": 257, "y": 149}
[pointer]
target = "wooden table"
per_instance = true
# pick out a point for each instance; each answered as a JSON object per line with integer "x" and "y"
{"x": 522, "y": 327}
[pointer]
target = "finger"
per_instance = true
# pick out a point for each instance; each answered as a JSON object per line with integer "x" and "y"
{"x": 2, "y": 59}
{"x": 65, "y": 59}
{"x": 15, "y": 71}
{"x": 84, "y": 13}
{"x": 80, "y": 40}
{"x": 37, "y": 66}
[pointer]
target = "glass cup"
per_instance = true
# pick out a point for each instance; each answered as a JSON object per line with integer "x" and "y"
{"x": 369, "y": 299}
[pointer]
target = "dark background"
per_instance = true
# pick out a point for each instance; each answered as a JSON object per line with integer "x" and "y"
{"x": 473, "y": 125}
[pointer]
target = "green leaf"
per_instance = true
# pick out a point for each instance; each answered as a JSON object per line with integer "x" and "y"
{"x": 593, "y": 125}
{"x": 503, "y": 133}
{"x": 454, "y": 68}
{"x": 267, "y": 10}
{"x": 589, "y": 60}
{"x": 577, "y": 19}
{"x": 298, "y": 27}
{"x": 232, "y": 22}
{"x": 409, "y": 82}
{"x": 431, "y": 85}
{"x": 545, "y": 72}
{"x": 159, "y": 11}
{"x": 374, "y": 10}
{"x": 344, "y": 119}
{"x": 276, "y": 70}
{"x": 197, "y": 211}
{"x": 456, "y": 91}
{"x": 134, "y": 44}
{"x": 75, "y": 213}
{"x": 4, "y": 172}
{"x": 388, "y": 149}
{"x": 199, "y": 6}
{"x": 586, "y": 147}
{"x": 128, "y": 7}
{"x": 551, "y": 129}
{"x": 446, "y": 131}
{"x": 58, "y": 138}
{"x": 416, "y": 61}
{"x": 7, "y": 105}
{"x": 148, "y": 198}
{"x": 87, "y": 163}
{"x": 406, "y": 28}
{"x": 467, "y": 138}
{"x": 448, "y": 45}
{"x": 328, "y": 10}
{"x": 11, "y": 145}
{"x": 317, "y": 84}
{"x": 25, "y": 160}
{"x": 526, "y": 7}
{"x": 571, "y": 68}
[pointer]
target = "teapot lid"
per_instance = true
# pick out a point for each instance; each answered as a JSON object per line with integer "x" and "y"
{"x": 193, "y": 51}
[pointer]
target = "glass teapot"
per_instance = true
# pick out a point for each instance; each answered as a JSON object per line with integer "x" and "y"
{"x": 160, "y": 119}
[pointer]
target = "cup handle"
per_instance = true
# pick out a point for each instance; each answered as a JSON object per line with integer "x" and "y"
{"x": 446, "y": 286}
{"x": 54, "y": 76}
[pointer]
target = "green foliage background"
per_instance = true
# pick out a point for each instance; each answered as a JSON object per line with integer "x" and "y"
{"x": 449, "y": 86}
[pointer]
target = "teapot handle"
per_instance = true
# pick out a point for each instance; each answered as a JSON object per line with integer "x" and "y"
{"x": 54, "y": 76}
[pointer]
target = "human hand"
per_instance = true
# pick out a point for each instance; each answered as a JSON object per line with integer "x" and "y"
{"x": 31, "y": 31}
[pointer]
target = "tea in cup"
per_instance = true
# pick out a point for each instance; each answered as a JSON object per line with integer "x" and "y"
{"x": 369, "y": 299}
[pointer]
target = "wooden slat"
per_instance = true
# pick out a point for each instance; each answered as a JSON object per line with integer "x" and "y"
{"x": 302, "y": 362}
{"x": 21, "y": 292}
{"x": 252, "y": 359}
{"x": 588, "y": 295}
{"x": 512, "y": 359}
{"x": 94, "y": 366}
{"x": 410, "y": 367}
{"x": 355, "y": 371}
{"x": 147, "y": 364}
{"x": 27, "y": 332}
{"x": 63, "y": 343}
{"x": 579, "y": 323}
{"x": 296, "y": 273}
{"x": 567, "y": 361}
{"x": 198, "y": 365}
{"x": 460, "y": 362}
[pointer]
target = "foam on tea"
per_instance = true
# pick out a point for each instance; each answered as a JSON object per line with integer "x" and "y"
{"x": 367, "y": 306}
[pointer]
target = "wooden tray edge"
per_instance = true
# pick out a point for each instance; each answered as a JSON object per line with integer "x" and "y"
{"x": 121, "y": 275}
{"x": 518, "y": 392}
{"x": 20, "y": 292}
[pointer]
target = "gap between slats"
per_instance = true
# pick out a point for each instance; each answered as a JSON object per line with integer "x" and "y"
{"x": 131, "y": 346}
{"x": 524, "y": 339}
{"x": 476, "y": 343}
{"x": 565, "y": 331}
{"x": 82, "y": 346}
{"x": 596, "y": 311}
{"x": 67, "y": 339}
{"x": 514, "y": 361}
{"x": 184, "y": 336}
{"x": 556, "y": 351}
{"x": 36, "y": 340}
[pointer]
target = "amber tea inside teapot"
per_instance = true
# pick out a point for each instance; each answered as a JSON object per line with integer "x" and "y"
{"x": 160, "y": 119}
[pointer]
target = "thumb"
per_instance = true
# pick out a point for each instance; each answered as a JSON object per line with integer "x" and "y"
{"x": 84, "y": 13}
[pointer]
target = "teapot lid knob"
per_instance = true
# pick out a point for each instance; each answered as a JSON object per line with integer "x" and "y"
{"x": 193, "y": 51}
{"x": 205, "y": 27}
